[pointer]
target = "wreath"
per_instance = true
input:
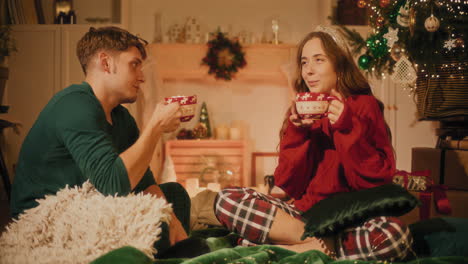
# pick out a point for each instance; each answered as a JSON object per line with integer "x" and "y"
{"x": 224, "y": 57}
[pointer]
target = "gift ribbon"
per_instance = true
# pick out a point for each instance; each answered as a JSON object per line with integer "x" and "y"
{"x": 425, "y": 209}
{"x": 440, "y": 198}
{"x": 406, "y": 175}
{"x": 441, "y": 201}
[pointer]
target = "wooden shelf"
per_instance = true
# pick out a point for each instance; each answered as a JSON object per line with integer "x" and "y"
{"x": 183, "y": 62}
{"x": 190, "y": 157}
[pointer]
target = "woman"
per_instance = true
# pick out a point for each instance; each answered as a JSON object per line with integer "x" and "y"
{"x": 348, "y": 150}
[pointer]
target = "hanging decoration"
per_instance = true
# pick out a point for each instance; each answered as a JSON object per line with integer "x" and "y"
{"x": 391, "y": 36}
{"x": 380, "y": 21}
{"x": 404, "y": 73}
{"x": 432, "y": 23}
{"x": 449, "y": 44}
{"x": 224, "y": 57}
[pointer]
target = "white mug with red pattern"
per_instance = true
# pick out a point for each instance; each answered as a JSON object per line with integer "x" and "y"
{"x": 187, "y": 105}
{"x": 311, "y": 105}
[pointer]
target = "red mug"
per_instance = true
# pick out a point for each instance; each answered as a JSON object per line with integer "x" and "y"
{"x": 311, "y": 105}
{"x": 187, "y": 105}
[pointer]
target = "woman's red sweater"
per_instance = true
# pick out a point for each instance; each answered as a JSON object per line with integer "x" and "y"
{"x": 352, "y": 154}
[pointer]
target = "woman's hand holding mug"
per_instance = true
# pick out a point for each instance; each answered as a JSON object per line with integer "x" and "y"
{"x": 336, "y": 107}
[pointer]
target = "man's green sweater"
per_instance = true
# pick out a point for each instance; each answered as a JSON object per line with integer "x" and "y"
{"x": 71, "y": 142}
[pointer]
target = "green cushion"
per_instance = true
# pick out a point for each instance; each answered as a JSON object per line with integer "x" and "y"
{"x": 201, "y": 242}
{"x": 439, "y": 237}
{"x": 343, "y": 210}
{"x": 123, "y": 255}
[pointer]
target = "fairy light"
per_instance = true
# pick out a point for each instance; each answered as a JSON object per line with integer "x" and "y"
{"x": 456, "y": 7}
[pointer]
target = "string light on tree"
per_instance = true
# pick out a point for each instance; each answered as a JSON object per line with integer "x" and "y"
{"x": 403, "y": 17}
{"x": 364, "y": 61}
{"x": 396, "y": 52}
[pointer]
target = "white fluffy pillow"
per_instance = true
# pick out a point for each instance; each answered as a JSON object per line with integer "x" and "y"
{"x": 80, "y": 224}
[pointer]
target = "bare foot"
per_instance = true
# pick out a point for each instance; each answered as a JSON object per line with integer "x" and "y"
{"x": 325, "y": 245}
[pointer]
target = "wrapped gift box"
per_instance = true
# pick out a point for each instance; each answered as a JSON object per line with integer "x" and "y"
{"x": 414, "y": 181}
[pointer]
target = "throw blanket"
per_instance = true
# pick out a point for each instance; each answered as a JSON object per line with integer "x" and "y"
{"x": 77, "y": 225}
{"x": 264, "y": 254}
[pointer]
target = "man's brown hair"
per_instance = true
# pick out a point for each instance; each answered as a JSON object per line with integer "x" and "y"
{"x": 109, "y": 39}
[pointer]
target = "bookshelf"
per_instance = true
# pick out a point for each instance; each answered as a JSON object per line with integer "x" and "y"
{"x": 31, "y": 12}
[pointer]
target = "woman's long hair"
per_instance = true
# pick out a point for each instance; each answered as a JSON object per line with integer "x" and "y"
{"x": 350, "y": 80}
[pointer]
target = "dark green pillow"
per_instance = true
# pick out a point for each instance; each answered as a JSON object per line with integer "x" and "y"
{"x": 440, "y": 237}
{"x": 334, "y": 214}
{"x": 123, "y": 255}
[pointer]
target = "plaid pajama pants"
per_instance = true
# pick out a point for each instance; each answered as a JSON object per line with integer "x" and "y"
{"x": 250, "y": 214}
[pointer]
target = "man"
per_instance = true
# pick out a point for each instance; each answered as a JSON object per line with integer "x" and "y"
{"x": 85, "y": 133}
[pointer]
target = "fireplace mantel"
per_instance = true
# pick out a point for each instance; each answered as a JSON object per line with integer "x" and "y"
{"x": 182, "y": 62}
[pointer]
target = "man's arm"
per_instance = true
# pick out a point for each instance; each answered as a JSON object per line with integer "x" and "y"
{"x": 138, "y": 157}
{"x": 166, "y": 118}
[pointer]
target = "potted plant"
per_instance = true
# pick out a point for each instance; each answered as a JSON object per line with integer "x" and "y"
{"x": 7, "y": 46}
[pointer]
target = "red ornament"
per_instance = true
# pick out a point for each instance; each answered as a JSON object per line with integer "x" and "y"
{"x": 459, "y": 42}
{"x": 380, "y": 21}
{"x": 384, "y": 3}
{"x": 361, "y": 3}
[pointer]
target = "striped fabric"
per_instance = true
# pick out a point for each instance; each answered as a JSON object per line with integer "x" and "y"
{"x": 250, "y": 214}
{"x": 443, "y": 93}
{"x": 380, "y": 238}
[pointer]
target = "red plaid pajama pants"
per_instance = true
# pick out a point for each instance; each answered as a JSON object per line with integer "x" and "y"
{"x": 250, "y": 214}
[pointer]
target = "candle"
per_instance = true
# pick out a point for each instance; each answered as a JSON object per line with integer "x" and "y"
{"x": 240, "y": 125}
{"x": 235, "y": 133}
{"x": 191, "y": 185}
{"x": 222, "y": 132}
{"x": 215, "y": 187}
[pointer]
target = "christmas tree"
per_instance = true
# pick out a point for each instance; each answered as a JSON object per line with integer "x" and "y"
{"x": 412, "y": 36}
{"x": 205, "y": 120}
{"x": 421, "y": 45}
